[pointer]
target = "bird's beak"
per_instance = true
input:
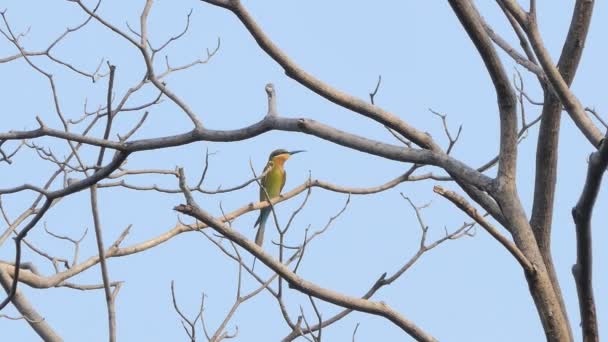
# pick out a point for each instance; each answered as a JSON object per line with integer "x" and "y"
{"x": 294, "y": 152}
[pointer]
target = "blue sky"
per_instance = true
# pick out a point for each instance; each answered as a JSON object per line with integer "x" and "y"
{"x": 468, "y": 289}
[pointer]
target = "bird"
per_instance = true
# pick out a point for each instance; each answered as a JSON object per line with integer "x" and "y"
{"x": 271, "y": 186}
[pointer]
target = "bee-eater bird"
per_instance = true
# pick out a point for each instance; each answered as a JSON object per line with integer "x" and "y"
{"x": 272, "y": 184}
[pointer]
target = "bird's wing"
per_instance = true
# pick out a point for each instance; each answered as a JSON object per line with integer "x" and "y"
{"x": 264, "y": 181}
{"x": 283, "y": 180}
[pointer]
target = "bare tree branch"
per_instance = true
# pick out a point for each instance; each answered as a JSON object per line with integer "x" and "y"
{"x": 541, "y": 286}
{"x": 470, "y": 19}
{"x": 32, "y": 317}
{"x": 572, "y": 104}
{"x": 548, "y": 138}
{"x": 582, "y": 214}
{"x": 461, "y": 203}
{"x": 342, "y": 99}
{"x": 294, "y": 280}
{"x": 530, "y": 237}
{"x": 50, "y": 197}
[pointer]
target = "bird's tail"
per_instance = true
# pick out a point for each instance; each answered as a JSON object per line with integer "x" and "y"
{"x": 261, "y": 221}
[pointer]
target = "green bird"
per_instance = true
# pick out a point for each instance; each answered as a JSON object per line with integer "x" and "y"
{"x": 272, "y": 184}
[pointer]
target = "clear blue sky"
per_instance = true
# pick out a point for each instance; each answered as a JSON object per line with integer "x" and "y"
{"x": 469, "y": 289}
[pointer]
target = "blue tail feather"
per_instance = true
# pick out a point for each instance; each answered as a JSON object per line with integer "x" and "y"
{"x": 261, "y": 221}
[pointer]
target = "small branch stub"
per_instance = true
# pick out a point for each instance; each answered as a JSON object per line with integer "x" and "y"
{"x": 272, "y": 100}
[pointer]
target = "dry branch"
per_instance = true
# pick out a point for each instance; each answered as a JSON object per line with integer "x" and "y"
{"x": 582, "y": 214}
{"x": 295, "y": 281}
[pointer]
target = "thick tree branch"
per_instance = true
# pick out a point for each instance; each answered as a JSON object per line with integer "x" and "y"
{"x": 545, "y": 296}
{"x": 548, "y": 139}
{"x": 582, "y": 214}
{"x": 472, "y": 23}
{"x": 33, "y": 318}
{"x": 274, "y": 122}
{"x": 336, "y": 96}
{"x": 547, "y": 147}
